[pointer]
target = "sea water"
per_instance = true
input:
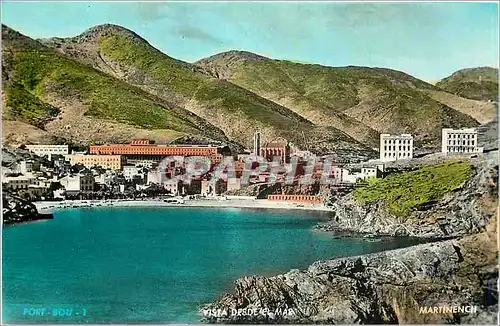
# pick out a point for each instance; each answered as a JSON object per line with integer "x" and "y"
{"x": 154, "y": 265}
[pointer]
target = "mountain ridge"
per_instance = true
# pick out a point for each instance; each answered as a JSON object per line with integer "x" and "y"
{"x": 49, "y": 78}
{"x": 479, "y": 83}
{"x": 236, "y": 110}
{"x": 340, "y": 108}
{"x": 346, "y": 97}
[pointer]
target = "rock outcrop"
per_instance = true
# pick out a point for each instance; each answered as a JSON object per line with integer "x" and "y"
{"x": 466, "y": 210}
{"x": 398, "y": 286}
{"x": 17, "y": 210}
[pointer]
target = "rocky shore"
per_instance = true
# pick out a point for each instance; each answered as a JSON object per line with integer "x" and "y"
{"x": 397, "y": 286}
{"x": 466, "y": 210}
{"x": 17, "y": 210}
{"x": 450, "y": 281}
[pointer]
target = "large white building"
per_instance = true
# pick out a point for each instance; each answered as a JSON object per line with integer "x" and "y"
{"x": 455, "y": 141}
{"x": 396, "y": 147}
{"x": 131, "y": 171}
{"x": 42, "y": 150}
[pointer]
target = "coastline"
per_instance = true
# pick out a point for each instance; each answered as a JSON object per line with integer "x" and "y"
{"x": 384, "y": 287}
{"x": 51, "y": 206}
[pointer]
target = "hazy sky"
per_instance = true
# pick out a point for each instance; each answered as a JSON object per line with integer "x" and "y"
{"x": 426, "y": 40}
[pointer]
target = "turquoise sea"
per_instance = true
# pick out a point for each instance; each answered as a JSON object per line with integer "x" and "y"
{"x": 153, "y": 265}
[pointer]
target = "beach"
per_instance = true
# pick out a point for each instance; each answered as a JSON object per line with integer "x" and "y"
{"x": 211, "y": 202}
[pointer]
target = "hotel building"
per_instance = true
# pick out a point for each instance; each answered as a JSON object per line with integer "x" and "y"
{"x": 456, "y": 141}
{"x": 396, "y": 147}
{"x": 143, "y": 150}
{"x": 113, "y": 162}
{"x": 42, "y": 150}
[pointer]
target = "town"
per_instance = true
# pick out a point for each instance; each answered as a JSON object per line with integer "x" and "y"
{"x": 135, "y": 170}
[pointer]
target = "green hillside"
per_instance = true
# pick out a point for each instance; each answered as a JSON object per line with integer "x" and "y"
{"x": 37, "y": 74}
{"x": 236, "y": 110}
{"x": 473, "y": 83}
{"x": 405, "y": 192}
{"x": 23, "y": 106}
{"x": 360, "y": 101}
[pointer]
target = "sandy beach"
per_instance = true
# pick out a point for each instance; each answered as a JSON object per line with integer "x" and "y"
{"x": 245, "y": 202}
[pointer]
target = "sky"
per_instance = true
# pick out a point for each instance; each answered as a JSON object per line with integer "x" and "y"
{"x": 427, "y": 40}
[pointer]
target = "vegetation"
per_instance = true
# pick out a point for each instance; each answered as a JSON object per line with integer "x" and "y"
{"x": 473, "y": 83}
{"x": 23, "y": 106}
{"x": 41, "y": 73}
{"x": 405, "y": 192}
{"x": 189, "y": 81}
{"x": 378, "y": 99}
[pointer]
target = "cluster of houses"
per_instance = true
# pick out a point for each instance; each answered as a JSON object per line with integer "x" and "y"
{"x": 132, "y": 169}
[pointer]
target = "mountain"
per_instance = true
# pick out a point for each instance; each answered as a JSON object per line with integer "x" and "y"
{"x": 56, "y": 96}
{"x": 109, "y": 84}
{"x": 473, "y": 83}
{"x": 360, "y": 101}
{"x": 237, "y": 111}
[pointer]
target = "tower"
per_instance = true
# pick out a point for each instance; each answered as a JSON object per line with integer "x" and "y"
{"x": 256, "y": 143}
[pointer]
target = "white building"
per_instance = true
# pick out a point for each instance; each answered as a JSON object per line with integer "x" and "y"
{"x": 16, "y": 183}
{"x": 369, "y": 172}
{"x": 104, "y": 178}
{"x": 58, "y": 193}
{"x": 455, "y": 141}
{"x": 130, "y": 171}
{"x": 172, "y": 185}
{"x": 396, "y": 147}
{"x": 347, "y": 175}
{"x": 154, "y": 176}
{"x": 78, "y": 182}
{"x": 304, "y": 154}
{"x": 29, "y": 166}
{"x": 213, "y": 187}
{"x": 42, "y": 150}
{"x": 340, "y": 174}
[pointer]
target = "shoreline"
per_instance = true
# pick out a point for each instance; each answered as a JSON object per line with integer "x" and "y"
{"x": 51, "y": 206}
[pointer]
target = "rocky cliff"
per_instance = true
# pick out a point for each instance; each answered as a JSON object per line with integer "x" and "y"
{"x": 462, "y": 211}
{"x": 398, "y": 286}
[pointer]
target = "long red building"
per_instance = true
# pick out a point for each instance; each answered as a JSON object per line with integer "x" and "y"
{"x": 309, "y": 199}
{"x": 144, "y": 149}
